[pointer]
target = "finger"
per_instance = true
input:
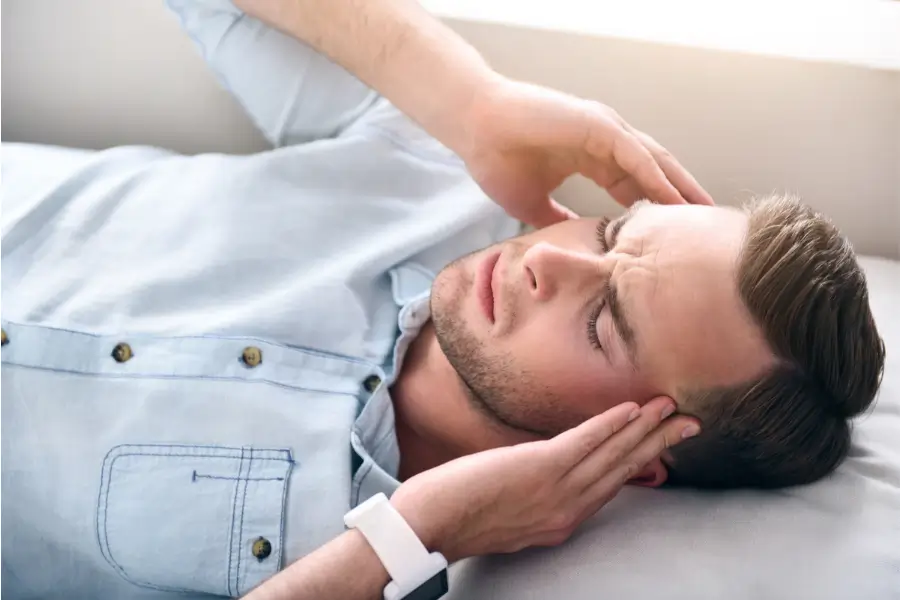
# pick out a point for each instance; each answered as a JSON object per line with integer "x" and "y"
{"x": 564, "y": 211}
{"x": 626, "y": 192}
{"x": 668, "y": 434}
{"x": 607, "y": 456}
{"x": 680, "y": 177}
{"x": 570, "y": 447}
{"x": 596, "y": 498}
{"x": 636, "y": 160}
{"x": 614, "y": 180}
{"x": 623, "y": 190}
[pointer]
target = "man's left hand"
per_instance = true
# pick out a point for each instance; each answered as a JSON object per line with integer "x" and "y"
{"x": 524, "y": 140}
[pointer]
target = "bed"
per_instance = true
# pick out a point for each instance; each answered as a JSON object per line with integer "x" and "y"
{"x": 838, "y": 539}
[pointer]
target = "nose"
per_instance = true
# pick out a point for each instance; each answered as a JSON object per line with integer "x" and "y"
{"x": 550, "y": 270}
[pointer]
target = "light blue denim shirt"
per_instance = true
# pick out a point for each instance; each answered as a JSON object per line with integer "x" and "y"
{"x": 198, "y": 350}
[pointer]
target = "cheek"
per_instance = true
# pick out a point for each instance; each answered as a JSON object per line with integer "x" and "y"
{"x": 550, "y": 349}
{"x": 574, "y": 373}
{"x": 621, "y": 386}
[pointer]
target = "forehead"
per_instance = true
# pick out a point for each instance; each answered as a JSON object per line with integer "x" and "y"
{"x": 679, "y": 279}
{"x": 722, "y": 227}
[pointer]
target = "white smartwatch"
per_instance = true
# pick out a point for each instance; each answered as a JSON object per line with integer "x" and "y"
{"x": 415, "y": 573}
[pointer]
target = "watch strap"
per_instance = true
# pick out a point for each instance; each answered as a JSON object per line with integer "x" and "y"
{"x": 400, "y": 550}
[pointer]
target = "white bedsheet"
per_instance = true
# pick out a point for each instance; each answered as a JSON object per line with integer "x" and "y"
{"x": 838, "y": 539}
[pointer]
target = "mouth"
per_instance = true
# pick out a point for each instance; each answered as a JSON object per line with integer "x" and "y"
{"x": 484, "y": 282}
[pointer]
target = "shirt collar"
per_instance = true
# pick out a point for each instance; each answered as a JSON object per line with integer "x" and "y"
{"x": 374, "y": 438}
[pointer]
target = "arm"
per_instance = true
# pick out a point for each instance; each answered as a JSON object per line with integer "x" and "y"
{"x": 425, "y": 69}
{"x": 519, "y": 141}
{"x": 292, "y": 93}
{"x": 345, "y": 568}
{"x": 496, "y": 501}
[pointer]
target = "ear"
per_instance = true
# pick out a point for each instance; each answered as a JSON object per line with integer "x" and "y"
{"x": 653, "y": 475}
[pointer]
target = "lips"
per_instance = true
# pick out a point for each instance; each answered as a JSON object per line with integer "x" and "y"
{"x": 485, "y": 285}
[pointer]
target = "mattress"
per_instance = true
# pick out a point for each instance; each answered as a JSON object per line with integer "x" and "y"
{"x": 838, "y": 539}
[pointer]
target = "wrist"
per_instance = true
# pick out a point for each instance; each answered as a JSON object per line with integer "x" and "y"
{"x": 427, "y": 521}
{"x": 463, "y": 107}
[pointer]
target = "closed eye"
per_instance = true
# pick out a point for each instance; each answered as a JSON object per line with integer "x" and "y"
{"x": 594, "y": 316}
{"x": 601, "y": 233}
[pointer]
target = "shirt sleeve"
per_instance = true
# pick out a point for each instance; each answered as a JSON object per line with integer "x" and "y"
{"x": 291, "y": 92}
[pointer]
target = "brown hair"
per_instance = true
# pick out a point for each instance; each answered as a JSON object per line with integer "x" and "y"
{"x": 804, "y": 288}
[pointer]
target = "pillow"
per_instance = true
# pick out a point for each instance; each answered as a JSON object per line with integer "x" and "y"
{"x": 833, "y": 540}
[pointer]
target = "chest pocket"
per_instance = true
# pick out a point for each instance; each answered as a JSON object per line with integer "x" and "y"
{"x": 185, "y": 518}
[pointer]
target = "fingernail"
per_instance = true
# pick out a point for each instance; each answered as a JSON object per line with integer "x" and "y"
{"x": 634, "y": 415}
{"x": 667, "y": 411}
{"x": 690, "y": 431}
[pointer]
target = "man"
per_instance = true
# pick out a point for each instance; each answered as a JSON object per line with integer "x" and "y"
{"x": 189, "y": 343}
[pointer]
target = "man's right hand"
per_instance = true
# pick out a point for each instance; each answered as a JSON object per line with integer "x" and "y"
{"x": 536, "y": 494}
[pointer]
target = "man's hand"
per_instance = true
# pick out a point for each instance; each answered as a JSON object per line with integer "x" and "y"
{"x": 519, "y": 141}
{"x": 501, "y": 500}
{"x": 506, "y": 499}
{"x": 525, "y": 140}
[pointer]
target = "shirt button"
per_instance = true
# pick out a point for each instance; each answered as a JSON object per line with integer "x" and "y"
{"x": 3, "y": 339}
{"x": 251, "y": 356}
{"x": 262, "y": 549}
{"x": 372, "y": 382}
{"x": 122, "y": 352}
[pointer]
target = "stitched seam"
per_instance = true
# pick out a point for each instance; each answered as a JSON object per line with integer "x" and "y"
{"x": 237, "y": 484}
{"x": 103, "y": 536}
{"x": 281, "y": 543}
{"x": 236, "y": 450}
{"x": 188, "y": 456}
{"x": 101, "y": 505}
{"x": 181, "y": 377}
{"x": 241, "y": 527}
{"x": 325, "y": 354}
{"x": 110, "y": 558}
{"x": 197, "y": 476}
{"x": 140, "y": 337}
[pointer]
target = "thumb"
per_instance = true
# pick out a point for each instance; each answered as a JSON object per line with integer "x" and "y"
{"x": 549, "y": 212}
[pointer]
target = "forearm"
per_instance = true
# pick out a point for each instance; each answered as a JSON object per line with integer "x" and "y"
{"x": 346, "y": 568}
{"x": 398, "y": 49}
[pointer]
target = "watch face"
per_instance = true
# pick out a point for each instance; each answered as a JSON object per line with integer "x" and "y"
{"x": 432, "y": 589}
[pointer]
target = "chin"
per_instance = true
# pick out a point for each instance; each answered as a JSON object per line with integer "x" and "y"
{"x": 451, "y": 286}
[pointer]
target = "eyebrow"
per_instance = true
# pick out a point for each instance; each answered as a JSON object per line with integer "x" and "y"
{"x": 617, "y": 225}
{"x": 616, "y": 309}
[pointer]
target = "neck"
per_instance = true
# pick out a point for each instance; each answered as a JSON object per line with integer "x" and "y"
{"x": 436, "y": 421}
{"x": 421, "y": 396}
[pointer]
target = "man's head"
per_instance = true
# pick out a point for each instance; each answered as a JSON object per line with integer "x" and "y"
{"x": 755, "y": 321}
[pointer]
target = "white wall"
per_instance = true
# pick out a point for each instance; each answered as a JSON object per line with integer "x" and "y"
{"x": 97, "y": 73}
{"x": 100, "y": 73}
